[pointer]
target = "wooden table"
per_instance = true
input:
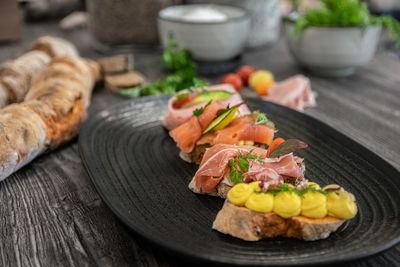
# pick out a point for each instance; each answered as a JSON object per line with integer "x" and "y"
{"x": 51, "y": 215}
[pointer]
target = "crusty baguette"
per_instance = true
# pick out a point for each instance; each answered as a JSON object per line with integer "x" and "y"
{"x": 55, "y": 47}
{"x": 250, "y": 225}
{"x": 51, "y": 114}
{"x": 17, "y": 75}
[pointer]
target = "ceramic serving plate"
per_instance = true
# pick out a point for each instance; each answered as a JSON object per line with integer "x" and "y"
{"x": 136, "y": 169}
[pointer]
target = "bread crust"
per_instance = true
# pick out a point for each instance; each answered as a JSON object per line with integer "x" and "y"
{"x": 55, "y": 47}
{"x": 250, "y": 225}
{"x": 17, "y": 75}
{"x": 52, "y": 113}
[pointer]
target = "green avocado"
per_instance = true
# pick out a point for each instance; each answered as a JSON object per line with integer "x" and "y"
{"x": 209, "y": 96}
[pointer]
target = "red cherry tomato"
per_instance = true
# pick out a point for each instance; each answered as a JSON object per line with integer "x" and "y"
{"x": 245, "y": 71}
{"x": 179, "y": 103}
{"x": 234, "y": 80}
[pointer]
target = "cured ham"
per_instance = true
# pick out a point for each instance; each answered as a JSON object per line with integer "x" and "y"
{"x": 215, "y": 168}
{"x": 294, "y": 92}
{"x": 175, "y": 117}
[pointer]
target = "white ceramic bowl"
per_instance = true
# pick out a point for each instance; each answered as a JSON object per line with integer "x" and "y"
{"x": 208, "y": 41}
{"x": 333, "y": 51}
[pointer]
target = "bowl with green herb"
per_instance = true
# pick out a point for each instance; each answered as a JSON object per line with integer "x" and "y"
{"x": 338, "y": 37}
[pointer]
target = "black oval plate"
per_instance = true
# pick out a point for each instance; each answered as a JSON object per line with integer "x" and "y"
{"x": 136, "y": 169}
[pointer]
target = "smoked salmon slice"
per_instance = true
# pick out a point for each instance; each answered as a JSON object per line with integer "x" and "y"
{"x": 187, "y": 134}
{"x": 243, "y": 128}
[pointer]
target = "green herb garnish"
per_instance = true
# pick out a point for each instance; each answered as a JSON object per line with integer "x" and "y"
{"x": 240, "y": 164}
{"x": 346, "y": 13}
{"x": 289, "y": 188}
{"x": 262, "y": 119}
{"x": 199, "y": 111}
{"x": 183, "y": 74}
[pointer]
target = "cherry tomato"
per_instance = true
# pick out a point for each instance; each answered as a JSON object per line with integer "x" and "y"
{"x": 234, "y": 80}
{"x": 244, "y": 72}
{"x": 262, "y": 87}
{"x": 179, "y": 103}
{"x": 259, "y": 77}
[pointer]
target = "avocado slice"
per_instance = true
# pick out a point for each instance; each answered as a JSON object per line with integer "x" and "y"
{"x": 210, "y": 95}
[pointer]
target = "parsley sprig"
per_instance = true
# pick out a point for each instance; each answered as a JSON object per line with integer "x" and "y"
{"x": 240, "y": 165}
{"x": 183, "y": 74}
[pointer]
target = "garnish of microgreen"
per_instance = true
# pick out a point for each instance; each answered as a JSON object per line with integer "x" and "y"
{"x": 262, "y": 119}
{"x": 289, "y": 188}
{"x": 199, "y": 111}
{"x": 240, "y": 165}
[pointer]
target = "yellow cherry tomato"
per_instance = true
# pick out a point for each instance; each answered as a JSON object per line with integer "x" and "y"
{"x": 262, "y": 87}
{"x": 239, "y": 194}
{"x": 313, "y": 205}
{"x": 287, "y": 204}
{"x": 233, "y": 115}
{"x": 259, "y": 77}
{"x": 313, "y": 185}
{"x": 261, "y": 202}
{"x": 341, "y": 205}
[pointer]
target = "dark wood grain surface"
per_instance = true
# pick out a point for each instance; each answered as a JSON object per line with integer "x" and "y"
{"x": 51, "y": 215}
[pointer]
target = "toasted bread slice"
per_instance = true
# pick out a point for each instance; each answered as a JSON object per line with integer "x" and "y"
{"x": 250, "y": 225}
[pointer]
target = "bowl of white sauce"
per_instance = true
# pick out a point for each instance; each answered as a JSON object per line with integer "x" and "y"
{"x": 209, "y": 32}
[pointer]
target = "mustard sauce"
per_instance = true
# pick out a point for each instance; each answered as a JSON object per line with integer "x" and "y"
{"x": 313, "y": 205}
{"x": 260, "y": 202}
{"x": 239, "y": 194}
{"x": 288, "y": 202}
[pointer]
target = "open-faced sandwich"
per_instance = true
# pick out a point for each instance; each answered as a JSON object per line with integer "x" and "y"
{"x": 223, "y": 166}
{"x": 215, "y": 124}
{"x": 181, "y": 106}
{"x": 252, "y": 212}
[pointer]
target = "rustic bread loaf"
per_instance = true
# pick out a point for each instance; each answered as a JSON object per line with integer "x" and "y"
{"x": 251, "y": 225}
{"x": 52, "y": 113}
{"x": 16, "y": 75}
{"x": 55, "y": 47}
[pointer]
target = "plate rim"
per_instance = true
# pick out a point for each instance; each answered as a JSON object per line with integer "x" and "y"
{"x": 167, "y": 246}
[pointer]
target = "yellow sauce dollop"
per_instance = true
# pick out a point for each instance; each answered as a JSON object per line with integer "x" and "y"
{"x": 255, "y": 186}
{"x": 313, "y": 185}
{"x": 313, "y": 205}
{"x": 239, "y": 194}
{"x": 341, "y": 205}
{"x": 287, "y": 204}
{"x": 261, "y": 202}
{"x": 329, "y": 186}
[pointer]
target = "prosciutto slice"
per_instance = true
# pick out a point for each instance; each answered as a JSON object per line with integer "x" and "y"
{"x": 294, "y": 92}
{"x": 175, "y": 117}
{"x": 215, "y": 166}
